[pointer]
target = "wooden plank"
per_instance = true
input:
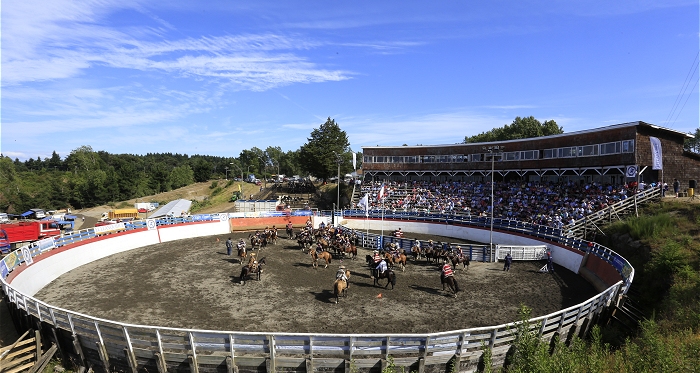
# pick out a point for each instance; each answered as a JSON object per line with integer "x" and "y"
{"x": 23, "y": 351}
{"x": 16, "y": 342}
{"x": 21, "y": 368}
{"x": 44, "y": 360}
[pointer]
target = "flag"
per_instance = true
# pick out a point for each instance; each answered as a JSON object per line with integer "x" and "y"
{"x": 381, "y": 193}
{"x": 364, "y": 202}
{"x": 239, "y": 188}
{"x": 656, "y": 159}
{"x": 354, "y": 161}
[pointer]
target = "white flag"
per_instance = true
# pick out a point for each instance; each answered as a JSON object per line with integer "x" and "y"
{"x": 381, "y": 193}
{"x": 656, "y": 159}
{"x": 364, "y": 202}
{"x": 354, "y": 161}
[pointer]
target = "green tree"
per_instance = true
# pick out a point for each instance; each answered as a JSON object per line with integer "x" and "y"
{"x": 318, "y": 155}
{"x": 693, "y": 145}
{"x": 181, "y": 176}
{"x": 521, "y": 128}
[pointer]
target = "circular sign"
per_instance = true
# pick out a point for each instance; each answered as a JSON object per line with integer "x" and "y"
{"x": 223, "y": 217}
{"x": 631, "y": 171}
{"x": 151, "y": 224}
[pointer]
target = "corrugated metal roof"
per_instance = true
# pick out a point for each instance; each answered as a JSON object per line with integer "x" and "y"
{"x": 173, "y": 208}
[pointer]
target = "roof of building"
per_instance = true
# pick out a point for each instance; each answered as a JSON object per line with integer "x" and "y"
{"x": 592, "y": 130}
{"x": 173, "y": 208}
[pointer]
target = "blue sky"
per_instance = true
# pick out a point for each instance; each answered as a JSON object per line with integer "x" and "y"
{"x": 217, "y": 77}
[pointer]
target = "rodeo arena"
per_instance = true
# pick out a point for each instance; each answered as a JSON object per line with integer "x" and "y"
{"x": 424, "y": 267}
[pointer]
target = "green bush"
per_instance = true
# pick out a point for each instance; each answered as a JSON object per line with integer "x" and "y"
{"x": 214, "y": 184}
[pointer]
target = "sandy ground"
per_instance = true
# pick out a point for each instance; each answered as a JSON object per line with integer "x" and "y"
{"x": 193, "y": 284}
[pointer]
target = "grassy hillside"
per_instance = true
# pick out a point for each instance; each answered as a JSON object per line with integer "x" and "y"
{"x": 663, "y": 245}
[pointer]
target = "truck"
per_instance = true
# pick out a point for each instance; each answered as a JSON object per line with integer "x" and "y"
{"x": 120, "y": 213}
{"x": 145, "y": 206}
{"x": 13, "y": 235}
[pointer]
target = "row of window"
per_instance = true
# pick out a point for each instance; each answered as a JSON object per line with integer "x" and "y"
{"x": 615, "y": 147}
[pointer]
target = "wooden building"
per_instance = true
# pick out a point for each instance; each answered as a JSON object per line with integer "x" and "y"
{"x": 614, "y": 154}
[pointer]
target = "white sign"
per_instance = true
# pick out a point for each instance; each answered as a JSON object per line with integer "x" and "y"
{"x": 151, "y": 224}
{"x": 656, "y": 156}
{"x": 27, "y": 256}
{"x": 631, "y": 171}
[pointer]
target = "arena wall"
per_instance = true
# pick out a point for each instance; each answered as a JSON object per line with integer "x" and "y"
{"x": 280, "y": 222}
{"x": 48, "y": 267}
{"x": 196, "y": 229}
{"x": 562, "y": 256}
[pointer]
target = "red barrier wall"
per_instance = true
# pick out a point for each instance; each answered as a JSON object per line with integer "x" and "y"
{"x": 280, "y": 222}
{"x": 604, "y": 270}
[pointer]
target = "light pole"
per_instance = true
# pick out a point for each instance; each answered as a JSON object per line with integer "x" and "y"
{"x": 234, "y": 165}
{"x": 492, "y": 150}
{"x": 226, "y": 168}
{"x": 337, "y": 159}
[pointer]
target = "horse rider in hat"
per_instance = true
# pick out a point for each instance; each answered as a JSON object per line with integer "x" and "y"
{"x": 342, "y": 275}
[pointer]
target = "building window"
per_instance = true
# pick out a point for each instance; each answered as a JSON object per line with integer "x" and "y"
{"x": 529, "y": 154}
{"x": 588, "y": 150}
{"x": 628, "y": 146}
{"x": 549, "y": 153}
{"x": 476, "y": 157}
{"x": 512, "y": 156}
{"x": 443, "y": 158}
{"x": 567, "y": 152}
{"x": 610, "y": 148}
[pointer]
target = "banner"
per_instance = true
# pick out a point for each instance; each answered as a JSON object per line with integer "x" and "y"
{"x": 364, "y": 202}
{"x": 354, "y": 161}
{"x": 656, "y": 157}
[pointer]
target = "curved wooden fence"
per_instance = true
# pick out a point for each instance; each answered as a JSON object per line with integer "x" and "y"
{"x": 107, "y": 345}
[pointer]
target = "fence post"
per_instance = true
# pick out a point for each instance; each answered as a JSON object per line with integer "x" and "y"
{"x": 272, "y": 360}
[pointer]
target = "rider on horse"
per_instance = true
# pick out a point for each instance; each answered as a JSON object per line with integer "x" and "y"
{"x": 241, "y": 245}
{"x": 341, "y": 275}
{"x": 376, "y": 258}
{"x": 381, "y": 267}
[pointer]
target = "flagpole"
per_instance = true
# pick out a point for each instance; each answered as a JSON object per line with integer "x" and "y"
{"x": 381, "y": 238}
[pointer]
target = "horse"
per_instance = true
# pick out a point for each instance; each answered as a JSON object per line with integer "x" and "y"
{"x": 271, "y": 236}
{"x": 340, "y": 287}
{"x": 417, "y": 252}
{"x": 351, "y": 250}
{"x": 389, "y": 275}
{"x": 460, "y": 259}
{"x": 451, "y": 281}
{"x": 250, "y": 270}
{"x": 401, "y": 261}
{"x": 241, "y": 254}
{"x": 290, "y": 232}
{"x": 325, "y": 255}
{"x": 257, "y": 241}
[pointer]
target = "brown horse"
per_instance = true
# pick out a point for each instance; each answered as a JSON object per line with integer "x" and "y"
{"x": 252, "y": 269}
{"x": 451, "y": 282}
{"x": 401, "y": 261}
{"x": 325, "y": 255}
{"x": 389, "y": 275}
{"x": 241, "y": 254}
{"x": 456, "y": 260}
{"x": 417, "y": 252}
{"x": 340, "y": 287}
{"x": 351, "y": 251}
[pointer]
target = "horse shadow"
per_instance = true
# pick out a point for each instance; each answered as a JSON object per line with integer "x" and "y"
{"x": 232, "y": 260}
{"x": 425, "y": 289}
{"x": 305, "y": 265}
{"x": 325, "y": 296}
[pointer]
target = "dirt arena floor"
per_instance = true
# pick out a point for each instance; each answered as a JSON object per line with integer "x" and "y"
{"x": 192, "y": 283}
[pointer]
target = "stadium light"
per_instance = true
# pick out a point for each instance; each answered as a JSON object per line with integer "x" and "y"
{"x": 492, "y": 150}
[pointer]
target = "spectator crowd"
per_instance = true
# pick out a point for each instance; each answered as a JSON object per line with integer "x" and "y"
{"x": 544, "y": 203}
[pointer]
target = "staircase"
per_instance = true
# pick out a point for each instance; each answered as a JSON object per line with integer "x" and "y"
{"x": 592, "y": 222}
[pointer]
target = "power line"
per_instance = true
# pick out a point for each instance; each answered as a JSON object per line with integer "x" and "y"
{"x": 686, "y": 83}
{"x": 686, "y": 101}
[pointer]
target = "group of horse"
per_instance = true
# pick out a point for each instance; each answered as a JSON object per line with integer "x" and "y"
{"x": 327, "y": 243}
{"x": 440, "y": 255}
